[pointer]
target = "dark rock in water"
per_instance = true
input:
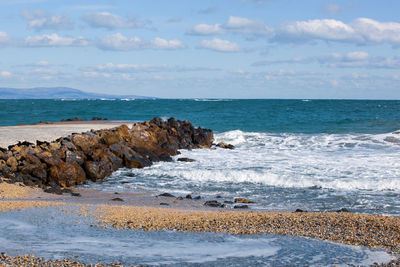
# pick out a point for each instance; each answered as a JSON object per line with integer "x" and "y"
{"x": 300, "y": 210}
{"x": 166, "y": 195}
{"x": 54, "y": 189}
{"x": 197, "y": 198}
{"x": 241, "y": 207}
{"x": 243, "y": 200}
{"x": 124, "y": 182}
{"x": 117, "y": 199}
{"x": 186, "y": 160}
{"x": 218, "y": 196}
{"x": 225, "y": 145}
{"x": 189, "y": 196}
{"x": 343, "y": 210}
{"x": 214, "y": 204}
{"x": 179, "y": 198}
{"x": 164, "y": 204}
{"x": 75, "y": 194}
{"x": 228, "y": 202}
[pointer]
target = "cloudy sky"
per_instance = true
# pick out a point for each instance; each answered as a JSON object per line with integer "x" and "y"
{"x": 211, "y": 49}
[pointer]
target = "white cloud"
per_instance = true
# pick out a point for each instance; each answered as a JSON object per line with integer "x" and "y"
{"x": 120, "y": 42}
{"x": 5, "y": 39}
{"x": 133, "y": 68}
{"x": 360, "y": 31}
{"x": 5, "y": 74}
{"x": 39, "y": 20}
{"x": 54, "y": 39}
{"x": 327, "y": 29}
{"x": 234, "y": 24}
{"x": 207, "y": 29}
{"x": 220, "y": 45}
{"x": 112, "y": 21}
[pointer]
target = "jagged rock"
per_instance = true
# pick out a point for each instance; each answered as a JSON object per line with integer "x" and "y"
{"x": 186, "y": 160}
{"x": 189, "y": 196}
{"x": 97, "y": 170}
{"x": 243, "y": 200}
{"x": 166, "y": 195}
{"x": 225, "y": 145}
{"x": 241, "y": 207}
{"x": 12, "y": 163}
{"x": 71, "y": 156}
{"x": 66, "y": 174}
{"x": 214, "y": 204}
{"x": 96, "y": 154}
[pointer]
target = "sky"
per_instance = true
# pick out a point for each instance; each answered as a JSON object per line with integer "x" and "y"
{"x": 204, "y": 49}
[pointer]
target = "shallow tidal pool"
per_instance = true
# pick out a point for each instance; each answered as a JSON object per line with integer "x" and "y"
{"x": 54, "y": 234}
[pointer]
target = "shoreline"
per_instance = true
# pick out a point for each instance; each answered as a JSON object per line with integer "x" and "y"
{"x": 142, "y": 211}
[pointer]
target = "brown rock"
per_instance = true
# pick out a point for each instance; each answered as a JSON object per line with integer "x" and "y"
{"x": 97, "y": 170}
{"x": 66, "y": 174}
{"x": 71, "y": 156}
{"x": 86, "y": 142}
{"x": 13, "y": 163}
{"x": 225, "y": 145}
{"x": 243, "y": 200}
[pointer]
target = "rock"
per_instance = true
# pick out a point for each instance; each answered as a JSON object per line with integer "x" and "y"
{"x": 214, "y": 204}
{"x": 96, "y": 154}
{"x": 71, "y": 157}
{"x": 225, "y": 145}
{"x": 53, "y": 189}
{"x": 66, "y": 174}
{"x": 12, "y": 163}
{"x": 97, "y": 170}
{"x": 343, "y": 210}
{"x": 179, "y": 198}
{"x": 189, "y": 196}
{"x": 74, "y": 194}
{"x": 300, "y": 210}
{"x": 166, "y": 195}
{"x": 228, "y": 202}
{"x": 186, "y": 160}
{"x": 117, "y": 199}
{"x": 243, "y": 200}
{"x": 164, "y": 204}
{"x": 241, "y": 207}
{"x": 197, "y": 198}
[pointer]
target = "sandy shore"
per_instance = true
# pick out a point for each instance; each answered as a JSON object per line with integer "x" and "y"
{"x": 49, "y": 132}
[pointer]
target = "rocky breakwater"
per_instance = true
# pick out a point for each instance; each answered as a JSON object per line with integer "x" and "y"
{"x": 93, "y": 155}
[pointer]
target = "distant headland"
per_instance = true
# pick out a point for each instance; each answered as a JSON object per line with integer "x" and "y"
{"x": 59, "y": 93}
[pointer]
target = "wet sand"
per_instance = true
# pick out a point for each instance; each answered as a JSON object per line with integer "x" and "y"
{"x": 11, "y": 135}
{"x": 143, "y": 211}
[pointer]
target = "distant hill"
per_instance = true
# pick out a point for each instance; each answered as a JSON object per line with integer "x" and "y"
{"x": 58, "y": 93}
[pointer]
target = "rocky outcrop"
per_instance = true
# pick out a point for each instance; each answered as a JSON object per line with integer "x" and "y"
{"x": 94, "y": 155}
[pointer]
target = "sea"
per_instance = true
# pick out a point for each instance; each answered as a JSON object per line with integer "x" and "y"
{"x": 314, "y": 155}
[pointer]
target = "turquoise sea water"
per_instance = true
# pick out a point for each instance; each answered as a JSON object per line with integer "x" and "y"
{"x": 274, "y": 116}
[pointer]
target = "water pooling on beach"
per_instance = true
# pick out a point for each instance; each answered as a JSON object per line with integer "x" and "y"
{"x": 316, "y": 172}
{"x": 68, "y": 234}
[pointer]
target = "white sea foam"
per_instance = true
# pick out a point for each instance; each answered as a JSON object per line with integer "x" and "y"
{"x": 332, "y": 161}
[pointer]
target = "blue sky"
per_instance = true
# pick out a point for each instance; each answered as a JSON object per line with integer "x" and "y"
{"x": 210, "y": 49}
